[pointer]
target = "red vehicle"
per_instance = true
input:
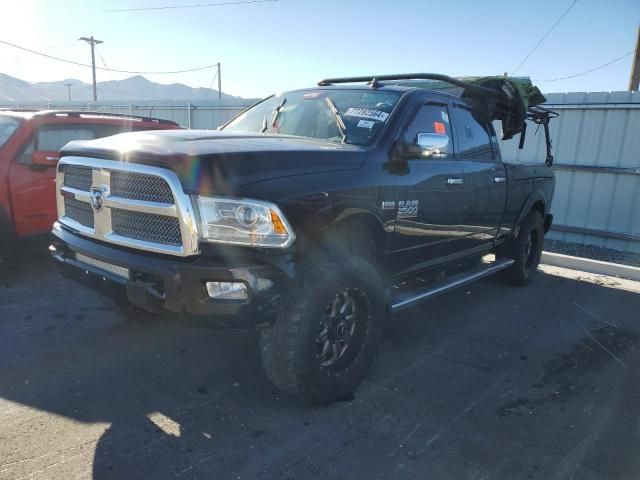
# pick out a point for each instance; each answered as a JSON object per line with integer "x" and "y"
{"x": 29, "y": 145}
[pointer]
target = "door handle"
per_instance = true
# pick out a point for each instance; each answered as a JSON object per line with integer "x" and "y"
{"x": 499, "y": 179}
{"x": 455, "y": 181}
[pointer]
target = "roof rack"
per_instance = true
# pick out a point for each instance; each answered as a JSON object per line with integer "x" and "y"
{"x": 540, "y": 116}
{"x": 503, "y": 105}
{"x": 19, "y": 109}
{"x": 375, "y": 80}
{"x": 79, "y": 113}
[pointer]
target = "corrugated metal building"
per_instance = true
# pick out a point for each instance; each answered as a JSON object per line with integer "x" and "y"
{"x": 597, "y": 162}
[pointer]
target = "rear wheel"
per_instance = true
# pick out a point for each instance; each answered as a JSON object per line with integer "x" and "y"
{"x": 525, "y": 249}
{"x": 328, "y": 330}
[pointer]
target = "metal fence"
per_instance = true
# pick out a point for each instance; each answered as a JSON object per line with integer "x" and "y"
{"x": 207, "y": 115}
{"x": 596, "y": 147}
{"x": 596, "y": 144}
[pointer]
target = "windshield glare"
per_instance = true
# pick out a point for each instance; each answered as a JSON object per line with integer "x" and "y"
{"x": 310, "y": 114}
{"x": 7, "y": 128}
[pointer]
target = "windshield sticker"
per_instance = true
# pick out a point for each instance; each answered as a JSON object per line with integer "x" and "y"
{"x": 366, "y": 124}
{"x": 311, "y": 95}
{"x": 439, "y": 128}
{"x": 445, "y": 116}
{"x": 377, "y": 115}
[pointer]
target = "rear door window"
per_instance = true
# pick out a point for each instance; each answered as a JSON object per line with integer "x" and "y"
{"x": 53, "y": 138}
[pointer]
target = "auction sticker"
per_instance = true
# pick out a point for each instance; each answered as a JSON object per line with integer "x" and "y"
{"x": 366, "y": 124}
{"x": 377, "y": 115}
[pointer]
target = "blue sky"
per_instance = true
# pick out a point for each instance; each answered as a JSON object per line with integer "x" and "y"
{"x": 293, "y": 43}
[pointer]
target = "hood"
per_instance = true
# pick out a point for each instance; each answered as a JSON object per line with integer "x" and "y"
{"x": 209, "y": 161}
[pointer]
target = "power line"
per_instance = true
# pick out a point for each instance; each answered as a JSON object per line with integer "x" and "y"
{"x": 105, "y": 65}
{"x": 544, "y": 36}
{"x": 101, "y": 57}
{"x": 213, "y": 80}
{"x": 220, "y": 4}
{"x": 53, "y": 47}
{"x": 206, "y": 67}
{"x": 588, "y": 71}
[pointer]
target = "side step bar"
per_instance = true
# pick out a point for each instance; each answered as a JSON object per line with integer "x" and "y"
{"x": 409, "y": 299}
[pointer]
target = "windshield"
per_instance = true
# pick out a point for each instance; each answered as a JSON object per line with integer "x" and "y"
{"x": 7, "y": 128}
{"x": 343, "y": 116}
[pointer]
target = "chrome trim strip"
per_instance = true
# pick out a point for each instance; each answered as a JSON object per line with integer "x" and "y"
{"x": 71, "y": 223}
{"x": 155, "y": 208}
{"x": 183, "y": 208}
{"x": 79, "y": 195}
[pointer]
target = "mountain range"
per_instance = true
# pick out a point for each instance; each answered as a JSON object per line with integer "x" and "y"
{"x": 137, "y": 88}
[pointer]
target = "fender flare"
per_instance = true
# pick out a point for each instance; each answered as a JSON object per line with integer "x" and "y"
{"x": 537, "y": 196}
{"x": 333, "y": 215}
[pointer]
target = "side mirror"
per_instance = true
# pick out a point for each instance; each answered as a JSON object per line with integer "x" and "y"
{"x": 45, "y": 158}
{"x": 433, "y": 145}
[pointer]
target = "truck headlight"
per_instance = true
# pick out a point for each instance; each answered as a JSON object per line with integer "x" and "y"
{"x": 243, "y": 222}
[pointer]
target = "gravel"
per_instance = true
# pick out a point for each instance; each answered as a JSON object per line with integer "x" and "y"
{"x": 593, "y": 252}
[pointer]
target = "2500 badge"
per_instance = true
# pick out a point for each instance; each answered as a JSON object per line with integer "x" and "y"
{"x": 407, "y": 209}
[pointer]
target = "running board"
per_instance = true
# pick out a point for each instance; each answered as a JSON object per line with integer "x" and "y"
{"x": 409, "y": 299}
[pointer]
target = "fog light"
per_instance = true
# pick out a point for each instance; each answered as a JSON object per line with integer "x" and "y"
{"x": 227, "y": 290}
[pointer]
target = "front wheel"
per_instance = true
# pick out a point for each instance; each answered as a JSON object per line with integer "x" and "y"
{"x": 328, "y": 331}
{"x": 525, "y": 249}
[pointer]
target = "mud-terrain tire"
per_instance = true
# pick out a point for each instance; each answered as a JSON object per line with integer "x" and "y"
{"x": 525, "y": 249}
{"x": 328, "y": 330}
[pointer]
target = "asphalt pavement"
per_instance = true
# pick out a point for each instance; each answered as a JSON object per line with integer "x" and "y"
{"x": 489, "y": 382}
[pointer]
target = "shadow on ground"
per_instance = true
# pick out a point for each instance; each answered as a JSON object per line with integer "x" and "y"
{"x": 486, "y": 382}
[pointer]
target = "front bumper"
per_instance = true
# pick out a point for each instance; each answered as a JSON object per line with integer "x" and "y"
{"x": 158, "y": 283}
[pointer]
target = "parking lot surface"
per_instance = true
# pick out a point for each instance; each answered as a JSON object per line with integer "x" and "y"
{"x": 486, "y": 382}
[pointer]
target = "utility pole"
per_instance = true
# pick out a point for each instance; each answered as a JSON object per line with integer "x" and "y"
{"x": 634, "y": 80}
{"x": 93, "y": 42}
{"x": 219, "y": 83}
{"x": 68, "y": 85}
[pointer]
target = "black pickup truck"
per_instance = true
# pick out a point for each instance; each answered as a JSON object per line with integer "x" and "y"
{"x": 311, "y": 216}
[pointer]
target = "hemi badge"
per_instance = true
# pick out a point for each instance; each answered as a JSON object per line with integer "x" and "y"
{"x": 388, "y": 205}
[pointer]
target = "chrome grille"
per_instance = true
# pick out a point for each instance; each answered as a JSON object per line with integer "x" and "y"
{"x": 140, "y": 187}
{"x": 146, "y": 226}
{"x": 78, "y": 177}
{"x": 127, "y": 204}
{"x": 78, "y": 211}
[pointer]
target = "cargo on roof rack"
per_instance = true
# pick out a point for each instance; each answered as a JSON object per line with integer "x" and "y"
{"x": 512, "y": 100}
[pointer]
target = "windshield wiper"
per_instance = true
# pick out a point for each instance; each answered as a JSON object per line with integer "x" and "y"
{"x": 339, "y": 122}
{"x": 276, "y": 115}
